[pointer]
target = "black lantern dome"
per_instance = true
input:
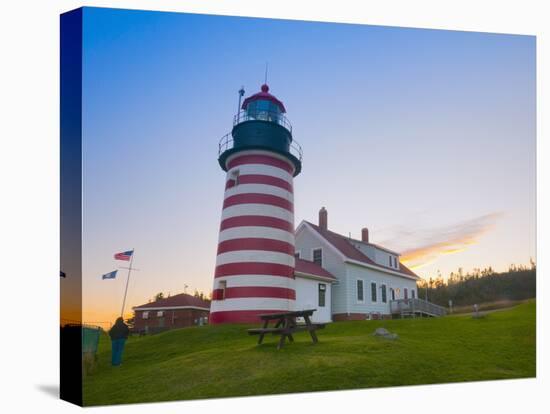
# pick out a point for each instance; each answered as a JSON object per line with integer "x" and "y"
{"x": 261, "y": 124}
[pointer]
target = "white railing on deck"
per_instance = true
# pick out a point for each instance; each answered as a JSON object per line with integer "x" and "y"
{"x": 416, "y": 306}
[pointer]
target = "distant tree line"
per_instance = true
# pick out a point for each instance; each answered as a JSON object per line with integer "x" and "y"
{"x": 201, "y": 295}
{"x": 481, "y": 285}
{"x": 197, "y": 294}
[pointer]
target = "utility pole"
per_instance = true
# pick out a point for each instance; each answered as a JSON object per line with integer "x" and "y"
{"x": 426, "y": 295}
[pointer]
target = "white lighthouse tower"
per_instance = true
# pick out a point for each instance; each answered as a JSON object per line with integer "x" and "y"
{"x": 255, "y": 258}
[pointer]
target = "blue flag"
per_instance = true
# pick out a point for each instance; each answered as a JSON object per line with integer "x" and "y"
{"x": 111, "y": 275}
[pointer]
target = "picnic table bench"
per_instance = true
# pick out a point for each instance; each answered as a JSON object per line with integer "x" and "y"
{"x": 285, "y": 326}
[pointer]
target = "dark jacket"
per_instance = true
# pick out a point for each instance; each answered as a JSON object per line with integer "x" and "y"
{"x": 119, "y": 330}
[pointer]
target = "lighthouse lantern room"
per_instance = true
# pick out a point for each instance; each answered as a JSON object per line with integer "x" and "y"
{"x": 255, "y": 258}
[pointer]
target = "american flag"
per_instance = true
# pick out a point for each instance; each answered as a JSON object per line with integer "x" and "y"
{"x": 124, "y": 255}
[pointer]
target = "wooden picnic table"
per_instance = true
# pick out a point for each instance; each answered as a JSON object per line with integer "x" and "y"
{"x": 285, "y": 326}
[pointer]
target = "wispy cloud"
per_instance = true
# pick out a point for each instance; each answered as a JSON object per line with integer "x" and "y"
{"x": 430, "y": 244}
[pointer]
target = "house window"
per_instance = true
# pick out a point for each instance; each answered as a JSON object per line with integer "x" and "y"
{"x": 160, "y": 314}
{"x": 384, "y": 294}
{"x": 360, "y": 290}
{"x": 297, "y": 255}
{"x": 406, "y": 293}
{"x": 145, "y": 315}
{"x": 318, "y": 256}
{"x": 391, "y": 261}
{"x": 373, "y": 291}
{"x": 322, "y": 294}
{"x": 392, "y": 291}
{"x": 413, "y": 294}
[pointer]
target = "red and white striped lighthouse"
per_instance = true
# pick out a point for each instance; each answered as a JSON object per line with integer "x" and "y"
{"x": 255, "y": 258}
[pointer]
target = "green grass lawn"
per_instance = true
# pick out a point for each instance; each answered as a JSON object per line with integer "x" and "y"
{"x": 224, "y": 361}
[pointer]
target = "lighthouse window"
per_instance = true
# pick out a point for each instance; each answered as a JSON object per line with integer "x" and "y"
{"x": 235, "y": 177}
{"x": 221, "y": 289}
{"x": 318, "y": 256}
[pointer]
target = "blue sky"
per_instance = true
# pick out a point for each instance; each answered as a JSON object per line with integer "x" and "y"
{"x": 427, "y": 137}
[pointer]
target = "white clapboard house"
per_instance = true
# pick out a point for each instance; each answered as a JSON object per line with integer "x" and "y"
{"x": 366, "y": 277}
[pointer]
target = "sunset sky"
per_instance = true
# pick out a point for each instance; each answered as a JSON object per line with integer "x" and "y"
{"x": 426, "y": 137}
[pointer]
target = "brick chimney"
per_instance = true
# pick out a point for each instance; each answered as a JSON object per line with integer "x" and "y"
{"x": 365, "y": 234}
{"x": 323, "y": 219}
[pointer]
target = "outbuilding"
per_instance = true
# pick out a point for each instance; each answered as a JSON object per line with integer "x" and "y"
{"x": 314, "y": 289}
{"x": 178, "y": 311}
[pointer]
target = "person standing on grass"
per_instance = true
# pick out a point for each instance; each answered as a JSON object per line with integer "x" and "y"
{"x": 118, "y": 333}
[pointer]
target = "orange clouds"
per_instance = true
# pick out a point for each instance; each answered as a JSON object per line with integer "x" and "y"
{"x": 448, "y": 240}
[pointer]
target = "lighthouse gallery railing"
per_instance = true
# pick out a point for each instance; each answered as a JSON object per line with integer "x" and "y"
{"x": 226, "y": 142}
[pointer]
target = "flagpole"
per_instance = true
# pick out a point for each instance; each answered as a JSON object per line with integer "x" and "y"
{"x": 127, "y": 282}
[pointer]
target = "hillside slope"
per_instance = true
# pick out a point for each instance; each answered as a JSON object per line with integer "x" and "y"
{"x": 223, "y": 361}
